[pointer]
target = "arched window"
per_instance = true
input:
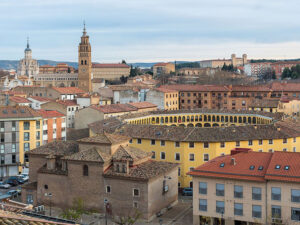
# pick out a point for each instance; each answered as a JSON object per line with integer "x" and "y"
{"x": 81, "y": 62}
{"x": 118, "y": 168}
{"x": 85, "y": 170}
{"x": 124, "y": 169}
{"x": 85, "y": 62}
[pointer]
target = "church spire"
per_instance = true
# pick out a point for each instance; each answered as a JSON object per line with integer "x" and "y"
{"x": 84, "y": 30}
{"x": 27, "y": 42}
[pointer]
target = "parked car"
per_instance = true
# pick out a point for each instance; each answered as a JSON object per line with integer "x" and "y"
{"x": 18, "y": 179}
{"x": 24, "y": 177}
{"x": 4, "y": 185}
{"x": 12, "y": 182}
{"x": 187, "y": 191}
{"x": 12, "y": 193}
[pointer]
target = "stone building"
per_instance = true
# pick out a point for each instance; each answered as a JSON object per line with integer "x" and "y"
{"x": 28, "y": 67}
{"x": 56, "y": 79}
{"x": 59, "y": 68}
{"x": 219, "y": 63}
{"x": 112, "y": 71}
{"x": 247, "y": 187}
{"x": 94, "y": 169}
{"x": 163, "y": 68}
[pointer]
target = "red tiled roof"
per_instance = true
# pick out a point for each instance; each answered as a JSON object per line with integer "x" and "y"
{"x": 40, "y": 99}
{"x": 240, "y": 169}
{"x": 68, "y": 90}
{"x": 47, "y": 66}
{"x": 114, "y": 108}
{"x": 165, "y": 90}
{"x": 18, "y": 99}
{"x": 110, "y": 65}
{"x": 160, "y": 64}
{"x": 50, "y": 113}
{"x": 276, "y": 86}
{"x": 189, "y": 87}
{"x": 286, "y": 63}
{"x": 142, "y": 105}
{"x": 17, "y": 112}
{"x": 67, "y": 102}
{"x": 254, "y": 88}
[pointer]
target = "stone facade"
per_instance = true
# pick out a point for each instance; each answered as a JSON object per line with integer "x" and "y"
{"x": 94, "y": 169}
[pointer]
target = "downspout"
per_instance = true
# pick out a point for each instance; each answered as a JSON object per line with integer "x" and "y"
{"x": 266, "y": 207}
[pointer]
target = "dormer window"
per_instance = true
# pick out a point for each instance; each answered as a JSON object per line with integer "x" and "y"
{"x": 222, "y": 165}
{"x": 277, "y": 167}
{"x": 251, "y": 167}
{"x": 260, "y": 168}
{"x": 286, "y": 167}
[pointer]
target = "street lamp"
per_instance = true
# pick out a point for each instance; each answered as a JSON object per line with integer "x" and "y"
{"x": 50, "y": 196}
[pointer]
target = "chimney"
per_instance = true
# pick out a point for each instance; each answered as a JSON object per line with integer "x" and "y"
{"x": 233, "y": 161}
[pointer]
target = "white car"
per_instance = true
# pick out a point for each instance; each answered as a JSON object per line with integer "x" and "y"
{"x": 24, "y": 177}
{"x": 4, "y": 185}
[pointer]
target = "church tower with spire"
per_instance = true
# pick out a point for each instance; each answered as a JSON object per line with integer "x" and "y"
{"x": 85, "y": 63}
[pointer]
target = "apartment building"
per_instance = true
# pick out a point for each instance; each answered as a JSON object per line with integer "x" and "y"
{"x": 163, "y": 68}
{"x": 257, "y": 69}
{"x": 165, "y": 99}
{"x": 54, "y": 125}
{"x": 20, "y": 131}
{"x": 247, "y": 187}
{"x": 66, "y": 107}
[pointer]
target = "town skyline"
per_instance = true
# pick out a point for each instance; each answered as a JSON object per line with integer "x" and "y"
{"x": 144, "y": 32}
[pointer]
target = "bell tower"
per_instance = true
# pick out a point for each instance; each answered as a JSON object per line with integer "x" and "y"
{"x": 85, "y": 63}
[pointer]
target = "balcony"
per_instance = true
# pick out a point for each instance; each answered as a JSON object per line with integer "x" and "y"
{"x": 45, "y": 137}
{"x": 45, "y": 127}
{"x": 54, "y": 125}
{"x": 63, "y": 124}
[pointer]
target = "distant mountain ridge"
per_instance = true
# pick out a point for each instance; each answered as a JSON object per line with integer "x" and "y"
{"x": 13, "y": 64}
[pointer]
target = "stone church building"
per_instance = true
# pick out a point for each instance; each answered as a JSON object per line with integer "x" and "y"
{"x": 101, "y": 170}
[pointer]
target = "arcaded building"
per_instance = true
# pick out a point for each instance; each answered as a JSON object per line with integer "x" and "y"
{"x": 100, "y": 169}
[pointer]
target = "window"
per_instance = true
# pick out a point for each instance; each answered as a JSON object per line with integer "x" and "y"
{"x": 238, "y": 209}
{"x": 203, "y": 188}
{"x": 276, "y": 193}
{"x": 13, "y": 147}
{"x": 26, "y": 125}
{"x": 13, "y": 158}
{"x": 38, "y": 136}
{"x": 271, "y": 141}
{"x": 294, "y": 139}
{"x": 152, "y": 142}
{"x": 250, "y": 142}
{"x": 85, "y": 170}
{"x": 203, "y": 205}
{"x": 220, "y": 189}
{"x": 256, "y": 211}
{"x": 222, "y": 145}
{"x": 162, "y": 143}
{"x": 206, "y": 145}
{"x": 260, "y": 142}
{"x": 295, "y": 195}
{"x": 2, "y": 126}
{"x": 284, "y": 140}
{"x": 256, "y": 193}
{"x": 26, "y": 147}
{"x": 206, "y": 157}
{"x": 162, "y": 155}
{"x": 191, "y": 144}
{"x": 135, "y": 205}
{"x": 177, "y": 156}
{"x": 192, "y": 157}
{"x": 2, "y": 138}
{"x": 136, "y": 192}
{"x": 220, "y": 207}
{"x": 237, "y": 144}
{"x": 238, "y": 191}
{"x": 179, "y": 171}
{"x": 276, "y": 211}
{"x": 139, "y": 141}
{"x": 26, "y": 136}
{"x": 153, "y": 155}
{"x": 177, "y": 144}
{"x": 295, "y": 214}
{"x": 2, "y": 159}
{"x": 252, "y": 167}
{"x": 222, "y": 165}
{"x": 37, "y": 124}
{"x": 130, "y": 141}
{"x": 108, "y": 189}
{"x": 13, "y": 137}
{"x": 13, "y": 126}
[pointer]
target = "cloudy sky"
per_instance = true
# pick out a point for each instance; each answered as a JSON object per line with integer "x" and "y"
{"x": 151, "y": 30}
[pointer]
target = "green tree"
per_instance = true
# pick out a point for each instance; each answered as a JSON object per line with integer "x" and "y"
{"x": 76, "y": 211}
{"x": 127, "y": 220}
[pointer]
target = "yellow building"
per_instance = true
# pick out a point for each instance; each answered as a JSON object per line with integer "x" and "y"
{"x": 165, "y": 99}
{"x": 21, "y": 131}
{"x": 290, "y": 107}
{"x": 163, "y": 68}
{"x": 196, "y": 136}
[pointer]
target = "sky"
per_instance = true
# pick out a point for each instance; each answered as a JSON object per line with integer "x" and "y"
{"x": 151, "y": 30}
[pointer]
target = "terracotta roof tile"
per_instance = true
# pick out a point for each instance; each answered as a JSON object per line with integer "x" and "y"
{"x": 57, "y": 148}
{"x": 18, "y": 112}
{"x": 128, "y": 153}
{"x": 92, "y": 154}
{"x": 264, "y": 103}
{"x": 68, "y": 90}
{"x": 67, "y": 102}
{"x": 18, "y": 99}
{"x": 114, "y": 108}
{"x": 142, "y": 105}
{"x": 50, "y": 113}
{"x": 105, "y": 138}
{"x": 110, "y": 65}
